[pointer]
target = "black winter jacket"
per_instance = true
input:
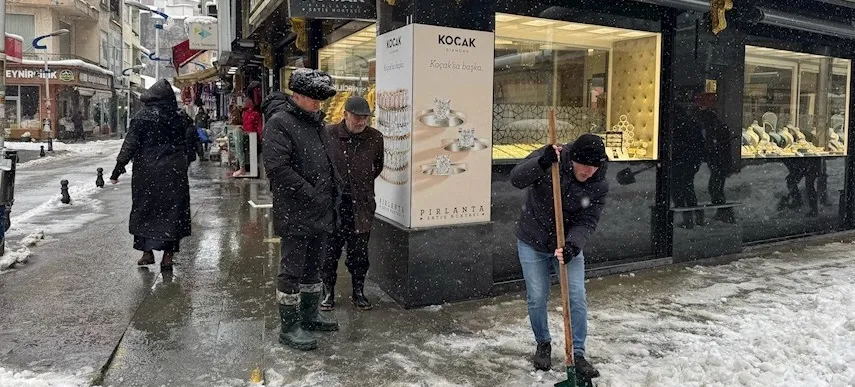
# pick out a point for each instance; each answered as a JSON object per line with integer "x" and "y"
{"x": 303, "y": 182}
{"x": 161, "y": 143}
{"x": 582, "y": 204}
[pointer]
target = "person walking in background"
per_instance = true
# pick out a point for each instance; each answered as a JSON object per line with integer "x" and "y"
{"x": 77, "y": 121}
{"x": 357, "y": 151}
{"x": 304, "y": 187}
{"x": 252, "y": 123}
{"x": 203, "y": 120}
{"x": 584, "y": 187}
{"x": 161, "y": 142}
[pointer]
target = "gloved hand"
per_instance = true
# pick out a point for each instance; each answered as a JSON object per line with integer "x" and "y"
{"x": 571, "y": 251}
{"x": 549, "y": 156}
{"x": 118, "y": 171}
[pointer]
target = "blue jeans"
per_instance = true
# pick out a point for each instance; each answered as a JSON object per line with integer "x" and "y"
{"x": 537, "y": 267}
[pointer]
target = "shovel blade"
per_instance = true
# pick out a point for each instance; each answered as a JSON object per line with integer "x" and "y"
{"x": 625, "y": 177}
{"x": 571, "y": 379}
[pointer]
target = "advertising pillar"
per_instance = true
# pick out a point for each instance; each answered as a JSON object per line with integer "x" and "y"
{"x": 434, "y": 108}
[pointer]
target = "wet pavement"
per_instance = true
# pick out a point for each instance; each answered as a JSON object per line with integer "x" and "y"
{"x": 82, "y": 304}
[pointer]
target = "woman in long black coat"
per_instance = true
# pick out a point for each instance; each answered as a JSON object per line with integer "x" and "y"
{"x": 162, "y": 143}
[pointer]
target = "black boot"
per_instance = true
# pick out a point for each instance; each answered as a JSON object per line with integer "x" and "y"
{"x": 585, "y": 370}
{"x": 329, "y": 297}
{"x": 358, "y": 296}
{"x": 312, "y": 318}
{"x": 290, "y": 331}
{"x": 542, "y": 358}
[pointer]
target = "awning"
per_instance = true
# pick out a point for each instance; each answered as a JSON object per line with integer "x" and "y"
{"x": 201, "y": 76}
{"x": 90, "y": 92}
{"x": 85, "y": 91}
{"x": 182, "y": 54}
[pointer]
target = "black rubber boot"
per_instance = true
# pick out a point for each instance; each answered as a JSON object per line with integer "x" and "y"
{"x": 290, "y": 331}
{"x": 329, "y": 297}
{"x": 358, "y": 296}
{"x": 542, "y": 358}
{"x": 585, "y": 370}
{"x": 312, "y": 318}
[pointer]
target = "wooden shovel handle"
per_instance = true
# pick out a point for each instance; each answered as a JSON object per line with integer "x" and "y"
{"x": 559, "y": 231}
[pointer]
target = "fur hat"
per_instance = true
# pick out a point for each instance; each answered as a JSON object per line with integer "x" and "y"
{"x": 312, "y": 83}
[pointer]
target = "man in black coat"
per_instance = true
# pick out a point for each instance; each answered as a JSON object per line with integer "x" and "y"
{"x": 358, "y": 156}
{"x": 161, "y": 143}
{"x": 305, "y": 192}
{"x": 582, "y": 168}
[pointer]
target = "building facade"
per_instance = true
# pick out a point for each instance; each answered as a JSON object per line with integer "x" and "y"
{"x": 725, "y": 127}
{"x": 80, "y": 67}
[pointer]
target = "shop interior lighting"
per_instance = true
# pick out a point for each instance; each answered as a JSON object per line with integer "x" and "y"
{"x": 505, "y": 18}
{"x": 604, "y": 30}
{"x": 634, "y": 34}
{"x": 501, "y": 42}
{"x": 539, "y": 22}
{"x": 573, "y": 27}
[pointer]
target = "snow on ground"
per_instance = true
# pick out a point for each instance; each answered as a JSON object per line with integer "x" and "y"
{"x": 53, "y": 217}
{"x": 69, "y": 150}
{"x": 785, "y": 319}
{"x": 10, "y": 378}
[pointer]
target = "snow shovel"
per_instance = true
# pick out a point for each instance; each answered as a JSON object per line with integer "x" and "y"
{"x": 571, "y": 381}
{"x": 626, "y": 176}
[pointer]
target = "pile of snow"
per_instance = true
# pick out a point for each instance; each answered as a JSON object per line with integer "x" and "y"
{"x": 10, "y": 378}
{"x": 199, "y": 20}
{"x": 65, "y": 218}
{"x": 22, "y": 254}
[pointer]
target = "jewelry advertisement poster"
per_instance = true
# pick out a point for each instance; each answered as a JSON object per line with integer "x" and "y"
{"x": 452, "y": 126}
{"x": 394, "y": 116}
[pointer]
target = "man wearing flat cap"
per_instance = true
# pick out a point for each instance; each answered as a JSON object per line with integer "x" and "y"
{"x": 582, "y": 171}
{"x": 357, "y": 151}
{"x": 305, "y": 191}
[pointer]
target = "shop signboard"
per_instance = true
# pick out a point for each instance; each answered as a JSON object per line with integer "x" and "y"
{"x": 394, "y": 114}
{"x": 94, "y": 79}
{"x": 452, "y": 126}
{"x": 203, "y": 36}
{"x": 38, "y": 73}
{"x": 333, "y": 9}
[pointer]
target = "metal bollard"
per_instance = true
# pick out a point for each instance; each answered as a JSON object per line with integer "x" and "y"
{"x": 99, "y": 181}
{"x": 66, "y": 199}
{"x": 42, "y": 153}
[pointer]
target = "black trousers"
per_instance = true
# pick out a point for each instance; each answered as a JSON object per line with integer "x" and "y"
{"x": 357, "y": 248}
{"x": 301, "y": 262}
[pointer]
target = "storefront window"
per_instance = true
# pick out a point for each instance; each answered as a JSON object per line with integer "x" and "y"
{"x": 30, "y": 106}
{"x": 794, "y": 105}
{"x": 22, "y": 107}
{"x": 600, "y": 80}
{"x": 12, "y": 113}
{"x": 351, "y": 63}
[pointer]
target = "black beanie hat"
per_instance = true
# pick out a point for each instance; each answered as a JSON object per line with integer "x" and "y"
{"x": 589, "y": 149}
{"x": 314, "y": 84}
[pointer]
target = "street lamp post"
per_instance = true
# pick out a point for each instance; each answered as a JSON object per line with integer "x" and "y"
{"x": 157, "y": 27}
{"x": 39, "y": 46}
{"x": 128, "y": 108}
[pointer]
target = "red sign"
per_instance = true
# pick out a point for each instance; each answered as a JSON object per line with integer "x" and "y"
{"x": 14, "y": 48}
{"x": 182, "y": 54}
